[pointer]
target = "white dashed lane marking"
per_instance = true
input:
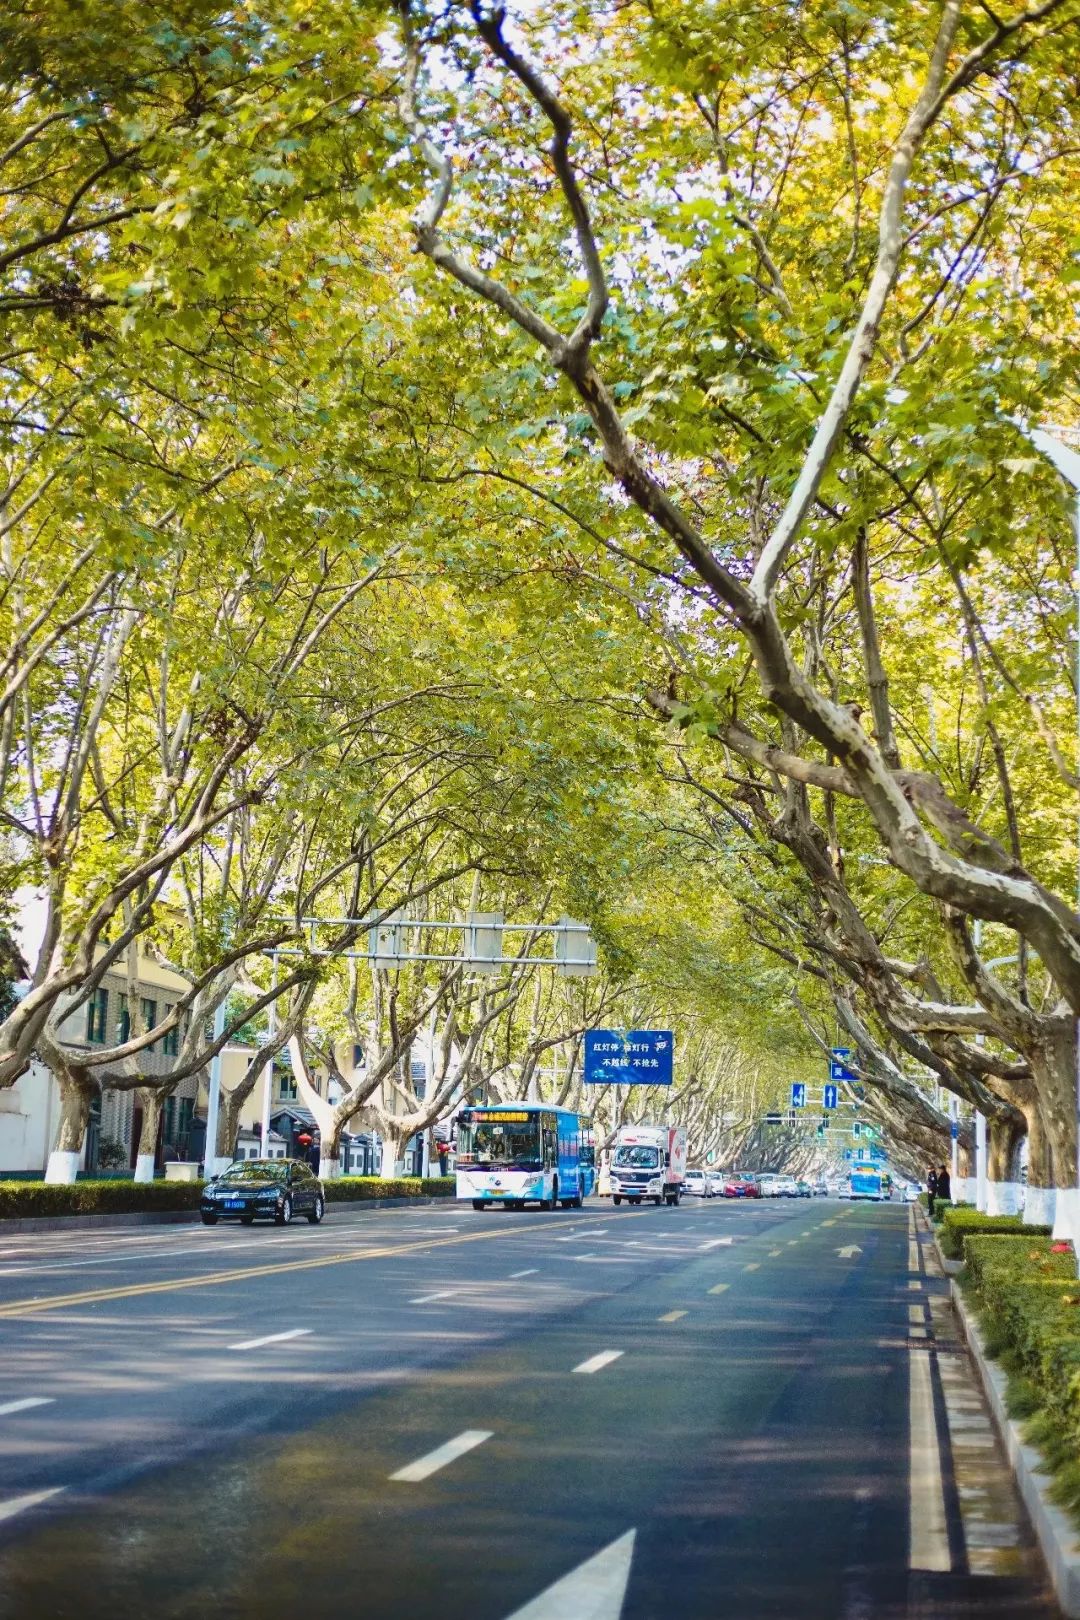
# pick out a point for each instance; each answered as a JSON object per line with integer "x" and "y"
{"x": 424, "y": 1467}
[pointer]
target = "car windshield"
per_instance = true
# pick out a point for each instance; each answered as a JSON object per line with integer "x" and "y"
{"x": 257, "y": 1170}
{"x": 499, "y": 1144}
{"x": 637, "y": 1158}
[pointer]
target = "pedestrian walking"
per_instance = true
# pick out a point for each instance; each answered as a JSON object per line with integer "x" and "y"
{"x": 931, "y": 1189}
{"x": 944, "y": 1186}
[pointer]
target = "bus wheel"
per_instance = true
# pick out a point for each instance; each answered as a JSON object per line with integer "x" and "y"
{"x": 478, "y": 1203}
{"x": 615, "y": 1199}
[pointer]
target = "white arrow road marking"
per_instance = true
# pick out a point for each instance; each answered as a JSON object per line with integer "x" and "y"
{"x": 594, "y": 1363}
{"x": 424, "y": 1467}
{"x": 25, "y": 1405}
{"x": 19, "y": 1504}
{"x": 596, "y": 1590}
{"x": 847, "y": 1252}
{"x": 715, "y": 1244}
{"x": 271, "y": 1338}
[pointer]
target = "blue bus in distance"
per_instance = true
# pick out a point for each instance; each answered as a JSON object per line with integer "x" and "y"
{"x": 524, "y": 1153}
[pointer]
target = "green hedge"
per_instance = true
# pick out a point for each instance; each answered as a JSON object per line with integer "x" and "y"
{"x": 348, "y": 1189}
{"x": 1029, "y": 1301}
{"x": 960, "y": 1221}
{"x": 29, "y": 1198}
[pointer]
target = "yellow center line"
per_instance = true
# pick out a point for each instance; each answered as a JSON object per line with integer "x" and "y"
{"x": 720, "y": 1288}
{"x": 58, "y": 1302}
{"x": 672, "y": 1316}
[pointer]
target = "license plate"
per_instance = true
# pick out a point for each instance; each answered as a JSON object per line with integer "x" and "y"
{"x": 234, "y": 1203}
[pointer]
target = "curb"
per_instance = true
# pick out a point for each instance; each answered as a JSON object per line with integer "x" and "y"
{"x": 1057, "y": 1537}
{"x": 174, "y": 1217}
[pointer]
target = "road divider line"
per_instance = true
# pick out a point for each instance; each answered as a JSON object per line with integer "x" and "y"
{"x": 424, "y": 1467}
{"x": 595, "y": 1363}
{"x": 929, "y": 1538}
{"x": 671, "y": 1316}
{"x": 755, "y": 1265}
{"x": 271, "y": 1338}
{"x": 774, "y": 1252}
{"x": 720, "y": 1288}
{"x": 429, "y": 1299}
{"x": 9, "y": 1408}
{"x": 530, "y": 1271}
{"x": 21, "y": 1504}
{"x": 715, "y": 1244}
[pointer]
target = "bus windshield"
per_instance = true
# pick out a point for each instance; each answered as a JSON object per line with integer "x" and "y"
{"x": 637, "y": 1158}
{"x": 499, "y": 1145}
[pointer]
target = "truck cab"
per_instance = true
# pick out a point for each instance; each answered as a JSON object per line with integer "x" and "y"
{"x": 648, "y": 1162}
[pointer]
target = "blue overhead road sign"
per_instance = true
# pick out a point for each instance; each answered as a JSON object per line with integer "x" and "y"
{"x": 628, "y": 1057}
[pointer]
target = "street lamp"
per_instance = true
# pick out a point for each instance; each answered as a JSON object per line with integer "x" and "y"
{"x": 1066, "y": 461}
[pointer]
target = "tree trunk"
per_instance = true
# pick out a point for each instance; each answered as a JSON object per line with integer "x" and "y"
{"x": 393, "y": 1154}
{"x": 1004, "y": 1193}
{"x": 330, "y": 1151}
{"x": 76, "y": 1095}
{"x": 1054, "y": 1071}
{"x": 152, "y": 1101}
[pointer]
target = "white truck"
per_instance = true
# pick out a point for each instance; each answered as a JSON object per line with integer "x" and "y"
{"x": 648, "y": 1161}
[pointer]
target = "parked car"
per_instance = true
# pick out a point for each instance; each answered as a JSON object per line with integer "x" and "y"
{"x": 716, "y": 1183}
{"x": 768, "y": 1186}
{"x": 696, "y": 1182}
{"x": 804, "y": 1189}
{"x": 788, "y": 1187}
{"x": 821, "y": 1188}
{"x": 263, "y": 1189}
{"x": 741, "y": 1185}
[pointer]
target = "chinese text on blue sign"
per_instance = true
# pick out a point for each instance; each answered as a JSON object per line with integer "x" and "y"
{"x": 838, "y": 1069}
{"x": 628, "y": 1057}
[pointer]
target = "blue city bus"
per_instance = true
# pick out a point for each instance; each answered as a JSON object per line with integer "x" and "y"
{"x": 867, "y": 1182}
{"x": 524, "y": 1153}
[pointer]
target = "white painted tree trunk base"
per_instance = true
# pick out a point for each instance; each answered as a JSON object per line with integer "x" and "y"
{"x": 1039, "y": 1206}
{"x": 329, "y": 1169}
{"x": 963, "y": 1189}
{"x": 1067, "y": 1216}
{"x": 1003, "y": 1197}
{"x": 62, "y": 1168}
{"x": 217, "y": 1167}
{"x": 144, "y": 1167}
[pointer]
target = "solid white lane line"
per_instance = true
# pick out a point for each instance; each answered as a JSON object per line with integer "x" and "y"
{"x": 424, "y": 1467}
{"x": 595, "y": 1590}
{"x": 594, "y": 1363}
{"x": 429, "y": 1299}
{"x": 530, "y": 1271}
{"x": 929, "y": 1533}
{"x": 271, "y": 1338}
{"x": 24, "y": 1405}
{"x": 19, "y": 1504}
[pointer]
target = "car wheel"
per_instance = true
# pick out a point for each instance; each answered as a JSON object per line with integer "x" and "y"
{"x": 209, "y": 1220}
{"x": 247, "y": 1220}
{"x": 478, "y": 1203}
{"x": 615, "y": 1199}
{"x": 315, "y": 1213}
{"x": 284, "y": 1214}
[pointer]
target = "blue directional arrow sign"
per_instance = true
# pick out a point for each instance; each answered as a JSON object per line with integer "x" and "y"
{"x": 830, "y": 1095}
{"x": 798, "y": 1094}
{"x": 838, "y": 1070}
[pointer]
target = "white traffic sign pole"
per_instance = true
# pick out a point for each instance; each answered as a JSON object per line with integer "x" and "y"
{"x": 211, "y": 1163}
{"x": 268, "y": 1076}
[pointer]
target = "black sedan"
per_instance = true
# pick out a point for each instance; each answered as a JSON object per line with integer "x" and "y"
{"x": 263, "y": 1189}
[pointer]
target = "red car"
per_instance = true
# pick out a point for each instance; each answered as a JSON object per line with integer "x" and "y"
{"x": 740, "y": 1185}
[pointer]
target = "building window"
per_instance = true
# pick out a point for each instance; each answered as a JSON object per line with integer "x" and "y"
{"x": 170, "y": 1041}
{"x": 123, "y": 1020}
{"x": 286, "y": 1088}
{"x": 149, "y": 1014}
{"x": 97, "y": 1012}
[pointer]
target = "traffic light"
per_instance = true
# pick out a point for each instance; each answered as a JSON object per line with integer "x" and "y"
{"x": 856, "y": 1129}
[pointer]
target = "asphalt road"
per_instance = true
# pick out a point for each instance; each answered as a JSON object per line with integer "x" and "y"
{"x": 719, "y": 1409}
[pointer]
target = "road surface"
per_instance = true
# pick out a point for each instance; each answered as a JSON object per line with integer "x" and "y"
{"x": 755, "y": 1409}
